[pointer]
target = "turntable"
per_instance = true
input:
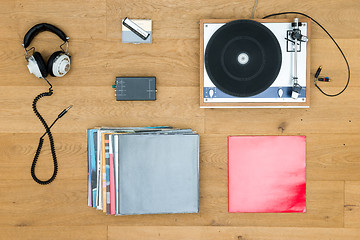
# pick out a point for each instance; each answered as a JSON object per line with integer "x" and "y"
{"x": 254, "y": 63}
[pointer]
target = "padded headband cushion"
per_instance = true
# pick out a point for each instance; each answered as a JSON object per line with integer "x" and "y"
{"x": 35, "y": 30}
{"x": 41, "y": 64}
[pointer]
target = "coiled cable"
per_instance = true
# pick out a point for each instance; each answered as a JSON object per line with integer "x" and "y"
{"x": 41, "y": 140}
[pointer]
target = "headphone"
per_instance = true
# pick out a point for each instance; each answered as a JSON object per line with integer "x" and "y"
{"x": 57, "y": 66}
{"x": 59, "y": 62}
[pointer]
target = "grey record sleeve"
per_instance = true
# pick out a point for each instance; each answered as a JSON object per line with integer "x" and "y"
{"x": 158, "y": 174}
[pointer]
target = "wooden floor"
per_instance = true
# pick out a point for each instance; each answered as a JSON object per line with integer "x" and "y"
{"x": 60, "y": 211}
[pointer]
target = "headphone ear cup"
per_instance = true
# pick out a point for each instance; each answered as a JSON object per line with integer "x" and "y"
{"x": 50, "y": 62}
{"x": 41, "y": 64}
{"x": 58, "y": 62}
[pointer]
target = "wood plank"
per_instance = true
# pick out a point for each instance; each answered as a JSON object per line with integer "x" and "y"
{"x": 321, "y": 197}
{"x": 179, "y": 19}
{"x": 60, "y": 211}
{"x": 329, "y": 157}
{"x": 238, "y": 233}
{"x": 333, "y": 15}
{"x": 63, "y": 202}
{"x": 7, "y": 6}
{"x": 98, "y": 62}
{"x": 181, "y": 105}
{"x": 85, "y": 20}
{"x": 352, "y": 204}
{"x": 18, "y": 150}
{"x": 338, "y": 113}
{"x": 66, "y": 197}
{"x": 71, "y": 148}
{"x": 325, "y": 53}
{"x": 324, "y": 205}
{"x": 333, "y": 157}
{"x": 23, "y": 232}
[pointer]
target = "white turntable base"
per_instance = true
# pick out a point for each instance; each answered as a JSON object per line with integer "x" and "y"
{"x": 284, "y": 79}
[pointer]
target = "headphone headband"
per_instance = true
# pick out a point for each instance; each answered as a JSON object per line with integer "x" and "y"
{"x": 41, "y": 27}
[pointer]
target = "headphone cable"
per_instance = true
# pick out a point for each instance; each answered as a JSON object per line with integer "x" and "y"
{"x": 50, "y": 136}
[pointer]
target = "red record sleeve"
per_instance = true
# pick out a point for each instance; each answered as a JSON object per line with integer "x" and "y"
{"x": 267, "y": 173}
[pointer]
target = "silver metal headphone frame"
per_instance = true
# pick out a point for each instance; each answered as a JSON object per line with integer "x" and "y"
{"x": 67, "y": 45}
{"x": 27, "y": 55}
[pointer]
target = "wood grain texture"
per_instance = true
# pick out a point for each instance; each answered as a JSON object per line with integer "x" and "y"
{"x": 85, "y": 19}
{"x": 352, "y": 204}
{"x": 60, "y": 211}
{"x": 23, "y": 232}
{"x": 64, "y": 203}
{"x": 325, "y": 115}
{"x": 234, "y": 233}
{"x": 90, "y": 111}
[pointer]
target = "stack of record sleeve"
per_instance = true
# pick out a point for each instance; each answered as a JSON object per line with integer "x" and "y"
{"x": 143, "y": 170}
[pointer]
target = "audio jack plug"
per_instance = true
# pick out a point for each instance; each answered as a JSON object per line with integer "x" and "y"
{"x": 320, "y": 79}
{"x": 324, "y": 79}
{"x": 64, "y": 111}
{"x": 318, "y": 71}
{"x": 58, "y": 117}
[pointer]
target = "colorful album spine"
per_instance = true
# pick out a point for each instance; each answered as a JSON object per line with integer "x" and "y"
{"x": 89, "y": 137}
{"x": 92, "y": 174}
{"x": 105, "y": 144}
{"x": 94, "y": 167}
{"x": 99, "y": 171}
{"x": 116, "y": 167}
{"x": 107, "y": 162}
{"x": 112, "y": 186}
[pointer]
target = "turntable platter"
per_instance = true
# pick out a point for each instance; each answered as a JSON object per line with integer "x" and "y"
{"x": 243, "y": 58}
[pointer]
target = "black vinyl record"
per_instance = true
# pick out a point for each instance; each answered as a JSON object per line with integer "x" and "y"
{"x": 243, "y": 58}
